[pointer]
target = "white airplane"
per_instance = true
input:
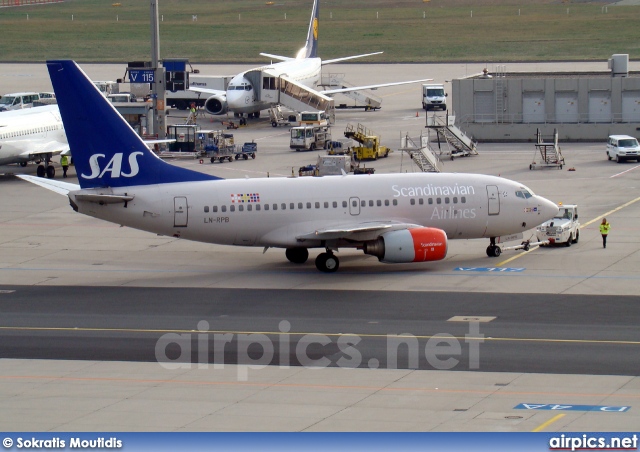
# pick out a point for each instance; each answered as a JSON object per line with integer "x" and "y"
{"x": 240, "y": 96}
{"x": 34, "y": 134}
{"x": 406, "y": 217}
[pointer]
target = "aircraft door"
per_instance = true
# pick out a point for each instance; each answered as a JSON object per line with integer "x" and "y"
{"x": 180, "y": 212}
{"x": 494, "y": 200}
{"x": 354, "y": 206}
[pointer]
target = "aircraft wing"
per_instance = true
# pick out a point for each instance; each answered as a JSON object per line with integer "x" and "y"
{"x": 208, "y": 91}
{"x": 49, "y": 147}
{"x": 359, "y": 88}
{"x": 277, "y": 57}
{"x": 62, "y": 188}
{"x": 349, "y": 58}
{"x": 357, "y": 231}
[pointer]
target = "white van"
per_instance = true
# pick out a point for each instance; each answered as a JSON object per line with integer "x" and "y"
{"x": 622, "y": 147}
{"x": 18, "y": 101}
{"x": 434, "y": 97}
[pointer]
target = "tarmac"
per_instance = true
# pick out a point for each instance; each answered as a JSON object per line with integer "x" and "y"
{"x": 44, "y": 243}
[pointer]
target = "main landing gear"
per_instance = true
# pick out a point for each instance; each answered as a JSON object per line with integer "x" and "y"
{"x": 325, "y": 262}
{"x": 493, "y": 250}
{"x": 47, "y": 169}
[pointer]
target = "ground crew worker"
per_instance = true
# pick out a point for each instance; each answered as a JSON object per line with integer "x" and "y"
{"x": 64, "y": 162}
{"x": 192, "y": 114}
{"x": 605, "y": 227}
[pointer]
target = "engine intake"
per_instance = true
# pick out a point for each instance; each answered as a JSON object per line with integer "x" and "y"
{"x": 216, "y": 105}
{"x": 409, "y": 245}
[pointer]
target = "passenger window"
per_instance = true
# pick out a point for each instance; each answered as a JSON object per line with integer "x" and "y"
{"x": 430, "y": 200}
{"x": 386, "y": 202}
{"x": 335, "y": 204}
{"x": 455, "y": 200}
{"x": 257, "y": 207}
{"x": 354, "y": 203}
{"x": 283, "y": 206}
{"x": 224, "y": 208}
{"x": 344, "y": 204}
{"x": 378, "y": 203}
{"x": 292, "y": 206}
{"x": 232, "y": 208}
{"x": 446, "y": 200}
{"x": 371, "y": 203}
{"x": 412, "y": 202}
{"x": 275, "y": 206}
{"x": 421, "y": 201}
{"x": 299, "y": 205}
{"x": 395, "y": 202}
{"x": 463, "y": 200}
{"x": 363, "y": 203}
{"x": 240, "y": 208}
{"x": 317, "y": 205}
{"x": 326, "y": 205}
{"x": 266, "y": 207}
{"x": 249, "y": 207}
{"x": 438, "y": 201}
{"x": 308, "y": 205}
{"x": 206, "y": 209}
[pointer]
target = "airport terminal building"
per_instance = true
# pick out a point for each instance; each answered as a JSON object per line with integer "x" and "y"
{"x": 582, "y": 106}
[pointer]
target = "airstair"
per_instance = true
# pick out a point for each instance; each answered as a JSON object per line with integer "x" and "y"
{"x": 458, "y": 143}
{"x": 285, "y": 91}
{"x": 362, "y": 98}
{"x": 550, "y": 155}
{"x": 360, "y": 133}
{"x": 419, "y": 150}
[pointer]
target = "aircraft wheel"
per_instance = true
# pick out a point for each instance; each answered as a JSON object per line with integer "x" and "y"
{"x": 40, "y": 172}
{"x": 490, "y": 251}
{"x": 51, "y": 172}
{"x": 23, "y": 164}
{"x": 297, "y": 255}
{"x": 327, "y": 263}
{"x": 497, "y": 251}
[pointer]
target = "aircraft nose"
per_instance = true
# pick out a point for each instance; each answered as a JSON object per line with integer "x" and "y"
{"x": 549, "y": 209}
{"x": 233, "y": 98}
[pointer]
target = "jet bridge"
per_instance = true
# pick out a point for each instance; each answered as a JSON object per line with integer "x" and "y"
{"x": 285, "y": 91}
{"x": 452, "y": 136}
{"x": 362, "y": 99}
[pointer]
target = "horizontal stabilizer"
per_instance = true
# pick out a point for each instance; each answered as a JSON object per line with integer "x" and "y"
{"x": 382, "y": 85}
{"x": 277, "y": 57}
{"x": 62, "y": 188}
{"x": 336, "y": 60}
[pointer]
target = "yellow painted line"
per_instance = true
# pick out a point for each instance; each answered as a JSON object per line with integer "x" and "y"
{"x": 548, "y": 423}
{"x": 276, "y": 333}
{"x": 581, "y": 226}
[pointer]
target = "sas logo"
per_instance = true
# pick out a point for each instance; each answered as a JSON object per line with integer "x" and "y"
{"x": 114, "y": 166}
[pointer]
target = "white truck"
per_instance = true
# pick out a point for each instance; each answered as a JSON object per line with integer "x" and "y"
{"x": 563, "y": 228}
{"x": 434, "y": 97}
{"x": 309, "y": 138}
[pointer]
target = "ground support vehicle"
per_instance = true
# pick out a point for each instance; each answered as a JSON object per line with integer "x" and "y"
{"x": 246, "y": 150}
{"x": 564, "y": 228}
{"x": 550, "y": 153}
{"x": 433, "y": 96}
{"x": 370, "y": 147}
{"x": 309, "y": 138}
{"x": 216, "y": 145}
{"x": 281, "y": 117}
{"x": 622, "y": 148}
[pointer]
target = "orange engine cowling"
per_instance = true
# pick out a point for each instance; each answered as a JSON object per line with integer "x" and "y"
{"x": 409, "y": 245}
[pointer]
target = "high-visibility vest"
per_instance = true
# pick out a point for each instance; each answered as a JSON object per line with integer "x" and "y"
{"x": 604, "y": 228}
{"x": 64, "y": 161}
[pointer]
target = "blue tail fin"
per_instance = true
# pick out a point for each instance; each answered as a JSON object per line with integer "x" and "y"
{"x": 311, "y": 46}
{"x": 106, "y": 151}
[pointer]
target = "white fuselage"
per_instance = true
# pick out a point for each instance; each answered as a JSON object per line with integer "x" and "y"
{"x": 285, "y": 212}
{"x": 305, "y": 71}
{"x": 23, "y": 137}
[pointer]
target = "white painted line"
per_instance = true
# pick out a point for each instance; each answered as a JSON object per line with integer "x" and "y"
{"x": 620, "y": 174}
{"x": 471, "y": 318}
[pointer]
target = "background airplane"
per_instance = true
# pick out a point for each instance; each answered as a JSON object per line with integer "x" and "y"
{"x": 32, "y": 135}
{"x": 398, "y": 218}
{"x": 305, "y": 69}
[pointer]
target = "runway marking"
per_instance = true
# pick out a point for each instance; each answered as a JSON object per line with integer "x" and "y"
{"x": 309, "y": 386}
{"x": 548, "y": 423}
{"x": 277, "y": 333}
{"x": 582, "y": 226}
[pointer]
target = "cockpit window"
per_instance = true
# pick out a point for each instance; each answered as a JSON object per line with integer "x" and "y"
{"x": 524, "y": 194}
{"x": 248, "y": 88}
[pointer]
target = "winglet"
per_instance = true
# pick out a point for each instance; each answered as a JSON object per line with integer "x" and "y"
{"x": 106, "y": 151}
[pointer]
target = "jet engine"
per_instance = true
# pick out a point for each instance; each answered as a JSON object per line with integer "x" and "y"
{"x": 409, "y": 245}
{"x": 216, "y": 105}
